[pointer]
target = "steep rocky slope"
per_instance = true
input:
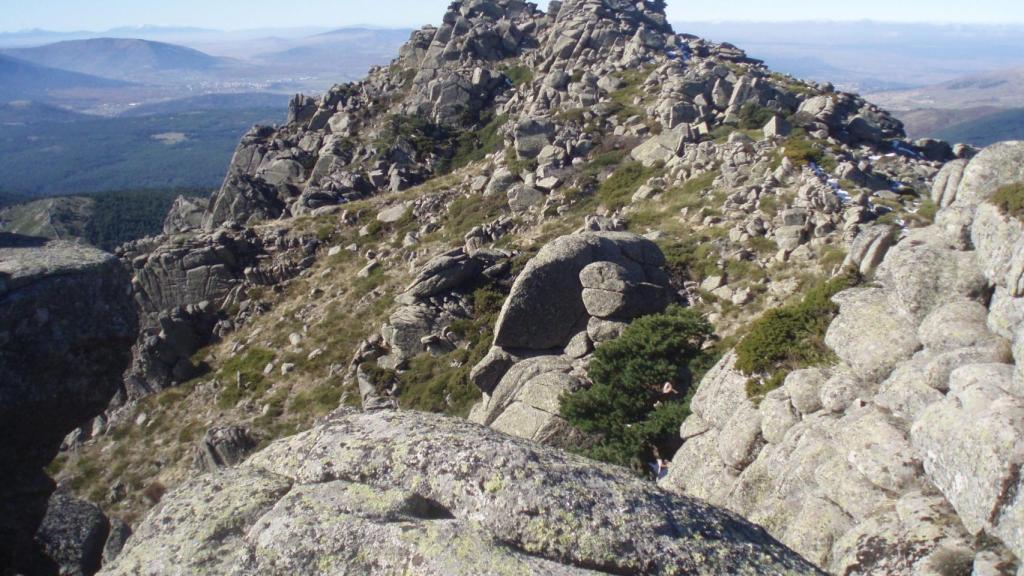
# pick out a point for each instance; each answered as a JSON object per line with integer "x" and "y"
{"x": 66, "y": 321}
{"x": 903, "y": 457}
{"x": 461, "y": 231}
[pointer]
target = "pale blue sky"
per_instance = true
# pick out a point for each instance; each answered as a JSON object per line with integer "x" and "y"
{"x": 241, "y": 14}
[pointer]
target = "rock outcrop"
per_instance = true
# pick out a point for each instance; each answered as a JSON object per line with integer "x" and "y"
{"x": 579, "y": 290}
{"x": 66, "y": 326}
{"x": 407, "y": 493}
{"x": 73, "y": 535}
{"x": 904, "y": 458}
{"x": 191, "y": 288}
{"x": 592, "y": 111}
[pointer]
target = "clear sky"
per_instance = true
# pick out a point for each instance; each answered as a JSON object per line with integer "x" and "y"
{"x": 242, "y": 14}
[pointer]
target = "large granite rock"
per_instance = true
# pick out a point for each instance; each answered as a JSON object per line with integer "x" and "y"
{"x": 977, "y": 466}
{"x": 550, "y": 286}
{"x": 408, "y": 493}
{"x": 904, "y": 457}
{"x": 73, "y": 535}
{"x": 550, "y": 324}
{"x": 67, "y": 323}
{"x": 996, "y": 166}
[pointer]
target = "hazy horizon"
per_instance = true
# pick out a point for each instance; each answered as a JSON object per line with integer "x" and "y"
{"x": 236, "y": 15}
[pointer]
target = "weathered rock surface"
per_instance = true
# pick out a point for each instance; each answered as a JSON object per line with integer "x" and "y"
{"x": 550, "y": 286}
{"x": 73, "y": 535}
{"x": 223, "y": 447}
{"x": 543, "y": 335}
{"x": 61, "y": 360}
{"x": 408, "y": 493}
{"x": 186, "y": 215}
{"x": 906, "y": 455}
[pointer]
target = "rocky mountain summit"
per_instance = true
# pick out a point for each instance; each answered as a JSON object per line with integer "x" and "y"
{"x": 583, "y": 232}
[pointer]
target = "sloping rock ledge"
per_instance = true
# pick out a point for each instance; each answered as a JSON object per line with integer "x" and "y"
{"x": 411, "y": 493}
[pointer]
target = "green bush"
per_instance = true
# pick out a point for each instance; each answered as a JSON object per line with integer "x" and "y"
{"x": 754, "y": 116}
{"x": 802, "y": 150}
{"x": 627, "y": 373}
{"x": 473, "y": 146}
{"x": 519, "y": 75}
{"x": 789, "y": 338}
{"x": 426, "y": 137}
{"x": 1010, "y": 200}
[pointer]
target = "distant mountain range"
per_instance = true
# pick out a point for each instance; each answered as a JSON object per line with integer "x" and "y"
{"x": 71, "y": 122}
{"x": 979, "y": 109}
{"x": 160, "y": 71}
{"x": 869, "y": 56}
{"x": 339, "y": 44}
{"x": 121, "y": 58}
{"x": 22, "y": 80}
{"x": 1000, "y": 89}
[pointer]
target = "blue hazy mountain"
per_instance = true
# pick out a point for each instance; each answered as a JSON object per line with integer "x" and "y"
{"x": 22, "y": 80}
{"x": 120, "y": 58}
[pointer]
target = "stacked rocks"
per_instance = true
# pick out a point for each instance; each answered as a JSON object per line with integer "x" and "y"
{"x": 898, "y": 459}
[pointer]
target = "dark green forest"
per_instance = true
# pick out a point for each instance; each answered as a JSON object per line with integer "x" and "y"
{"x": 92, "y": 154}
{"x": 125, "y": 215}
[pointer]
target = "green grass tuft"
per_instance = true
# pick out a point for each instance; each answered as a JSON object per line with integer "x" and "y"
{"x": 1010, "y": 200}
{"x": 618, "y": 189}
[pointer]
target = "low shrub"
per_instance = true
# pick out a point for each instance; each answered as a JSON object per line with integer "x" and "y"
{"x": 692, "y": 257}
{"x": 154, "y": 492}
{"x": 625, "y": 408}
{"x": 472, "y": 146}
{"x": 517, "y": 165}
{"x": 519, "y": 75}
{"x": 789, "y": 338}
{"x": 1010, "y": 200}
{"x": 441, "y": 384}
{"x": 754, "y": 116}
{"x": 424, "y": 136}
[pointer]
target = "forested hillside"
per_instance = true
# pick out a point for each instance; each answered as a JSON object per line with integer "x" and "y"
{"x": 93, "y": 154}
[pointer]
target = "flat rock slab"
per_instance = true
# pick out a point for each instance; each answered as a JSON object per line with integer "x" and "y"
{"x": 24, "y": 260}
{"x": 410, "y": 493}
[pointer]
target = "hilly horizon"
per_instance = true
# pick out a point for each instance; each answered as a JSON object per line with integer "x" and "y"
{"x": 24, "y": 80}
{"x": 978, "y": 109}
{"x": 120, "y": 58}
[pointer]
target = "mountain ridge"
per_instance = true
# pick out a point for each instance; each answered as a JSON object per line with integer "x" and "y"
{"x": 119, "y": 58}
{"x": 392, "y": 244}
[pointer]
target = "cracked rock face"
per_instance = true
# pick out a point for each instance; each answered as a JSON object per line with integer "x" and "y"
{"x": 543, "y": 337}
{"x": 409, "y": 493}
{"x": 66, "y": 326}
{"x": 904, "y": 457}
